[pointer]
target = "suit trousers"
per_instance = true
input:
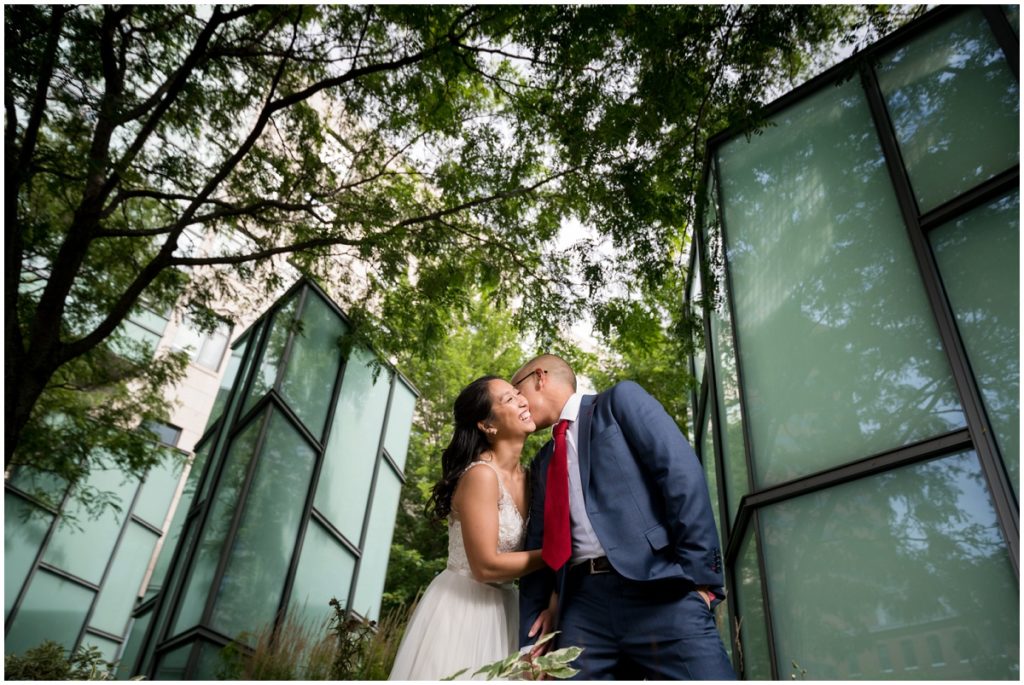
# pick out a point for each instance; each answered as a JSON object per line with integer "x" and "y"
{"x": 631, "y": 630}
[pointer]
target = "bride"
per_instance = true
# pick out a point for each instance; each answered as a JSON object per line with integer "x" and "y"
{"x": 469, "y": 614}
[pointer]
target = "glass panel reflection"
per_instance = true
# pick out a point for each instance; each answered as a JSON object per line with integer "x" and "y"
{"x": 396, "y": 439}
{"x": 727, "y": 392}
{"x": 841, "y": 355}
{"x": 755, "y": 662}
{"x": 170, "y": 539}
{"x": 325, "y": 571}
{"x": 124, "y": 580}
{"x": 83, "y": 548}
{"x": 707, "y": 458}
{"x": 1013, "y": 14}
{"x": 53, "y": 609}
{"x": 262, "y": 548}
{"x": 218, "y": 523}
{"x": 158, "y": 489}
{"x": 25, "y": 525}
{"x": 227, "y": 380}
{"x": 954, "y": 105}
{"x": 313, "y": 363}
{"x": 266, "y": 374}
{"x": 126, "y": 668}
{"x": 979, "y": 259}
{"x": 172, "y": 664}
{"x": 856, "y": 570}
{"x": 374, "y": 564}
{"x": 696, "y": 293}
{"x": 351, "y": 449}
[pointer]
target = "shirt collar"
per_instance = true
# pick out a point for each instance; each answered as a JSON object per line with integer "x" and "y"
{"x": 571, "y": 410}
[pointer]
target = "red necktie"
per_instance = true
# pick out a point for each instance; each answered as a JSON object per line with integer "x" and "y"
{"x": 557, "y": 546}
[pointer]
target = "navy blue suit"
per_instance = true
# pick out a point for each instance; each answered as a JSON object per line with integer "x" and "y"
{"x": 648, "y": 503}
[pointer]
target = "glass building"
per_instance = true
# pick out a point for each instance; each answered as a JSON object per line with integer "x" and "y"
{"x": 290, "y": 500}
{"x": 857, "y": 274}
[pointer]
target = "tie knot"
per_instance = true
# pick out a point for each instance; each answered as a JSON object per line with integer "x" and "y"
{"x": 560, "y": 428}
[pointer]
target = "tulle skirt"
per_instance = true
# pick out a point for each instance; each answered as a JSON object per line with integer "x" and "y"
{"x": 458, "y": 623}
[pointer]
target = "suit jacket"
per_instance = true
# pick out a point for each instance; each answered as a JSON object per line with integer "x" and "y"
{"x": 645, "y": 495}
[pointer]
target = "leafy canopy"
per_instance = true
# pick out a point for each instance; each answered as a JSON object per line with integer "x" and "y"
{"x": 407, "y": 157}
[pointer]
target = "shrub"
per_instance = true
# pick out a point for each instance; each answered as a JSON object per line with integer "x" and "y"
{"x": 50, "y": 661}
{"x": 342, "y": 647}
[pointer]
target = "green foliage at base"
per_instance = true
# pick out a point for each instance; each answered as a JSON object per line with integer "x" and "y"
{"x": 343, "y": 647}
{"x": 519, "y": 665}
{"x": 50, "y": 661}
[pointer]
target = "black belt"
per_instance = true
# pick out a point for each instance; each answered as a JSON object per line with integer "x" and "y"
{"x": 593, "y": 566}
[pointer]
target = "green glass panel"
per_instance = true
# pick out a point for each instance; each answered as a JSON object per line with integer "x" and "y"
{"x": 25, "y": 526}
{"x": 121, "y": 588}
{"x": 724, "y": 629}
{"x": 45, "y": 487}
{"x": 158, "y": 489}
{"x": 108, "y": 648}
{"x": 262, "y": 549}
{"x": 313, "y": 587}
{"x": 209, "y": 664}
{"x": 727, "y": 390}
{"x": 396, "y": 438}
{"x": 226, "y": 381}
{"x": 696, "y": 293}
{"x": 351, "y": 449}
{"x": 312, "y": 369}
{"x": 173, "y": 533}
{"x": 126, "y": 668}
{"x": 954, "y": 105}
{"x": 1013, "y": 14}
{"x": 218, "y": 523}
{"x": 840, "y": 353}
{"x": 753, "y": 632}
{"x": 707, "y": 457}
{"x": 374, "y": 565}
{"x": 83, "y": 548}
{"x": 266, "y": 374}
{"x": 172, "y": 664}
{"x": 917, "y": 551}
{"x": 53, "y": 609}
{"x": 979, "y": 259}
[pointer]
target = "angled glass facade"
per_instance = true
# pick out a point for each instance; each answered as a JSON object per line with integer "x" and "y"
{"x": 858, "y": 418}
{"x": 292, "y": 499}
{"x": 72, "y": 578}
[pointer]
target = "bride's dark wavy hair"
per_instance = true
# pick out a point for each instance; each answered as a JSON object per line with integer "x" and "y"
{"x": 472, "y": 406}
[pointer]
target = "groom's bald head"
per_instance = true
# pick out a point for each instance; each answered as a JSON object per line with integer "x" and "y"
{"x": 547, "y": 382}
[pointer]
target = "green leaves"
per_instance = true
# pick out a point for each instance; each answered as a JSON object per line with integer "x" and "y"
{"x": 408, "y": 157}
{"x": 519, "y": 665}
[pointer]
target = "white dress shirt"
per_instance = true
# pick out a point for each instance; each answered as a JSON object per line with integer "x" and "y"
{"x": 585, "y": 544}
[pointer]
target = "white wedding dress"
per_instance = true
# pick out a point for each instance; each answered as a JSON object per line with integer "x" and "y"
{"x": 460, "y": 622}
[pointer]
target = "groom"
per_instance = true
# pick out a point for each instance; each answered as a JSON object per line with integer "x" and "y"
{"x": 620, "y": 507}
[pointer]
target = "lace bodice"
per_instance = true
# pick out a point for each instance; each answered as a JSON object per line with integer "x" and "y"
{"x": 511, "y": 529}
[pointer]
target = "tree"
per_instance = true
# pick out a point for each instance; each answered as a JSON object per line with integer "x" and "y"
{"x": 484, "y": 343}
{"x": 406, "y": 156}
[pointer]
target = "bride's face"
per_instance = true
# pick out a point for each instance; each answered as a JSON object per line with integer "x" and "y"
{"x": 510, "y": 410}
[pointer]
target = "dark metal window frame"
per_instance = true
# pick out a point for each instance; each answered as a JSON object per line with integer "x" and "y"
{"x": 978, "y": 434}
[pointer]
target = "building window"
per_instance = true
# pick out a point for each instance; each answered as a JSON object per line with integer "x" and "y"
{"x": 165, "y": 432}
{"x": 204, "y": 349}
{"x": 935, "y": 650}
{"x": 884, "y": 660}
{"x": 909, "y": 657}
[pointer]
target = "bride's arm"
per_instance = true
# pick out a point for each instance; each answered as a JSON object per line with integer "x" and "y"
{"x": 476, "y": 501}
